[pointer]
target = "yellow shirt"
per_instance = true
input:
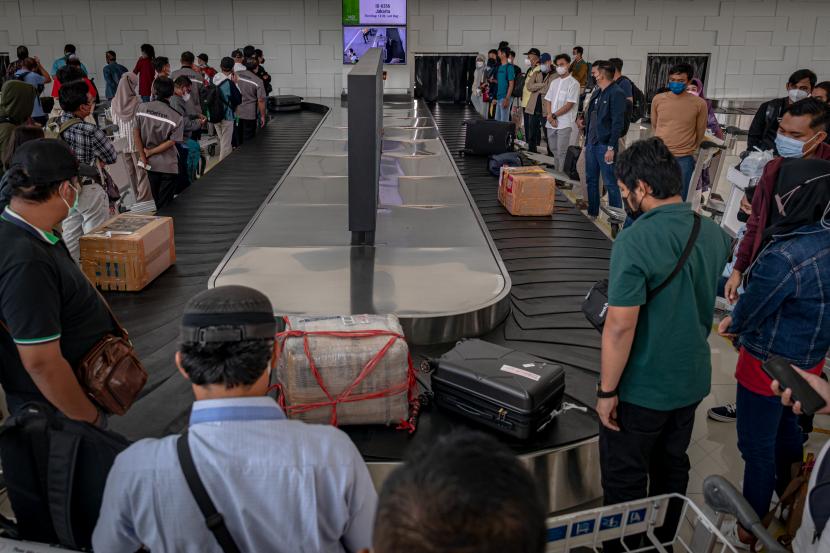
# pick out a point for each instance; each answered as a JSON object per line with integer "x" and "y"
{"x": 680, "y": 120}
{"x": 526, "y": 94}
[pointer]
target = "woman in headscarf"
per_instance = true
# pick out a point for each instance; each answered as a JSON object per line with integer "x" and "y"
{"x": 479, "y": 81}
{"x": 696, "y": 88}
{"x": 124, "y": 105}
{"x": 17, "y": 100}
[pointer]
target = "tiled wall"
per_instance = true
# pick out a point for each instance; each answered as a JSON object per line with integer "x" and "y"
{"x": 754, "y": 44}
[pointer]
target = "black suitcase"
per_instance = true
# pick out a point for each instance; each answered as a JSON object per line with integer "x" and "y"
{"x": 282, "y": 104}
{"x": 571, "y": 157}
{"x": 489, "y": 137}
{"x": 506, "y": 390}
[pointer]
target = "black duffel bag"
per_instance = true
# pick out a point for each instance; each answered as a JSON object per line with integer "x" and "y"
{"x": 595, "y": 305}
{"x": 55, "y": 470}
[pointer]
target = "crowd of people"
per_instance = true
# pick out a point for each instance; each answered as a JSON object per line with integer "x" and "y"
{"x": 160, "y": 115}
{"x": 286, "y": 485}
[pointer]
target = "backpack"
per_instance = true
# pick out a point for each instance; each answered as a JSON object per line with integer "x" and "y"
{"x": 519, "y": 83}
{"x": 214, "y": 103}
{"x": 818, "y": 499}
{"x": 638, "y": 110}
{"x": 56, "y": 470}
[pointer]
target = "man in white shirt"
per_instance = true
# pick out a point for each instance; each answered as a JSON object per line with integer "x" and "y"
{"x": 279, "y": 485}
{"x": 560, "y": 109}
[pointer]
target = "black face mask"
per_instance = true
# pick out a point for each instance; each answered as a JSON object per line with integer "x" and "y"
{"x": 633, "y": 213}
{"x": 491, "y": 62}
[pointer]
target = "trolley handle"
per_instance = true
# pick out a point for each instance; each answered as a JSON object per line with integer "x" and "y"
{"x": 707, "y": 144}
{"x": 722, "y": 496}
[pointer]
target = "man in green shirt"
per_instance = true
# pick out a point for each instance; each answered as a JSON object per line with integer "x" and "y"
{"x": 656, "y": 364}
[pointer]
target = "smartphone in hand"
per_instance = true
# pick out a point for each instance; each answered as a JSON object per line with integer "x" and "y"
{"x": 781, "y": 369}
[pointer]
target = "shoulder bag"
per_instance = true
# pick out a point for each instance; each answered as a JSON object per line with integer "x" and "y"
{"x": 595, "y": 305}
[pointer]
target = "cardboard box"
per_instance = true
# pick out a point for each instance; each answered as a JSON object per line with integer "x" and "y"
{"x": 506, "y": 171}
{"x": 529, "y": 194}
{"x": 128, "y": 251}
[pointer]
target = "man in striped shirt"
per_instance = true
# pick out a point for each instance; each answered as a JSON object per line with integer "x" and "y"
{"x": 158, "y": 127}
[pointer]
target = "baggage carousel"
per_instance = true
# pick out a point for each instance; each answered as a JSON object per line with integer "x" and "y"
{"x": 550, "y": 261}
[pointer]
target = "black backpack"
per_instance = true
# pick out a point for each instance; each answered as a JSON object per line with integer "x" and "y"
{"x": 638, "y": 110}
{"x": 55, "y": 471}
{"x": 214, "y": 104}
{"x": 519, "y": 83}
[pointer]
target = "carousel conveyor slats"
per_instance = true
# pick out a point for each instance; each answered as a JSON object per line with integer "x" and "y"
{"x": 208, "y": 218}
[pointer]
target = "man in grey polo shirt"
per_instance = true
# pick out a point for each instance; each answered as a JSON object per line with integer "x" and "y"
{"x": 158, "y": 127}
{"x": 194, "y": 102}
{"x": 253, "y": 101}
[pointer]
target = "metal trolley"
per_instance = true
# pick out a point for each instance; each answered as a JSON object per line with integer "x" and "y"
{"x": 696, "y": 533}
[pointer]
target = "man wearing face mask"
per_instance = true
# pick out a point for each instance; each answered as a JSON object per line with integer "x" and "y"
{"x": 680, "y": 120}
{"x": 764, "y": 125}
{"x": 93, "y": 148}
{"x": 656, "y": 366}
{"x": 268, "y": 476}
{"x": 560, "y": 109}
{"x": 479, "y": 85}
{"x": 801, "y": 134}
{"x": 51, "y": 315}
{"x": 538, "y": 84}
{"x": 492, "y": 82}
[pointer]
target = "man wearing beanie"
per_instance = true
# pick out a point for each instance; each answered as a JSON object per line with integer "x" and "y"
{"x": 265, "y": 483}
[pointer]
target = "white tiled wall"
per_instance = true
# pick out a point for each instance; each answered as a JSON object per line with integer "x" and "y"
{"x": 755, "y": 44}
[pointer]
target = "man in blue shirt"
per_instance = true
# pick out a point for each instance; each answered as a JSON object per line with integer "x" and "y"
{"x": 68, "y": 51}
{"x": 505, "y": 81}
{"x": 604, "y": 122}
{"x": 280, "y": 485}
{"x": 32, "y": 72}
{"x": 112, "y": 74}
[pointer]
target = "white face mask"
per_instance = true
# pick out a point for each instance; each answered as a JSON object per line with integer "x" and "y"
{"x": 186, "y": 97}
{"x": 510, "y": 61}
{"x": 544, "y": 68}
{"x": 797, "y": 94}
{"x": 527, "y": 62}
{"x": 562, "y": 70}
{"x": 479, "y": 64}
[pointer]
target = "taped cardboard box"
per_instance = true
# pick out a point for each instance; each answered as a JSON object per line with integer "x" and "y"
{"x": 529, "y": 194}
{"x": 345, "y": 370}
{"x": 507, "y": 171}
{"x": 128, "y": 252}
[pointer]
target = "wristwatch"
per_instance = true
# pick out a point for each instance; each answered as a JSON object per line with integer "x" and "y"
{"x": 610, "y": 148}
{"x": 605, "y": 395}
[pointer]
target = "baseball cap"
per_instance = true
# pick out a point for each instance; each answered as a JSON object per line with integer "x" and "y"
{"x": 534, "y": 51}
{"x": 545, "y": 57}
{"x": 50, "y": 160}
{"x": 228, "y": 314}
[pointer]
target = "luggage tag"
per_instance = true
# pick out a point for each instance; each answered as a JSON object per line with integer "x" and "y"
{"x": 566, "y": 406}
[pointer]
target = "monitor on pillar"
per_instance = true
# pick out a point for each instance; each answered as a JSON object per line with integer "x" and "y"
{"x": 365, "y": 108}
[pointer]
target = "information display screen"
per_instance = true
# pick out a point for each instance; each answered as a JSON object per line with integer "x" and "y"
{"x": 374, "y": 12}
{"x": 357, "y": 40}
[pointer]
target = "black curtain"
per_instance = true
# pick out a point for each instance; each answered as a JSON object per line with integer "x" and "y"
{"x": 658, "y": 65}
{"x": 444, "y": 78}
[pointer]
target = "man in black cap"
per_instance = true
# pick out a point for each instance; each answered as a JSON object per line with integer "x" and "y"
{"x": 51, "y": 315}
{"x": 279, "y": 485}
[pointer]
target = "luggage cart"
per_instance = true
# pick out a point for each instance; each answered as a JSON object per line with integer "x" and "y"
{"x": 696, "y": 533}
{"x": 708, "y": 149}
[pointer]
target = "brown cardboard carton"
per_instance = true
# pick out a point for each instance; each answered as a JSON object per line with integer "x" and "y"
{"x": 128, "y": 251}
{"x": 529, "y": 194}
{"x": 507, "y": 171}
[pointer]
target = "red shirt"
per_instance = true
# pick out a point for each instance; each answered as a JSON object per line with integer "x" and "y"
{"x": 146, "y": 75}
{"x": 751, "y": 376}
{"x": 56, "y": 87}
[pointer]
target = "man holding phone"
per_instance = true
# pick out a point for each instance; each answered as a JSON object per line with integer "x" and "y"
{"x": 783, "y": 312}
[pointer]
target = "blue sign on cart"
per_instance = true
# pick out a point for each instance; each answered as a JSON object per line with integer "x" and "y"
{"x": 636, "y": 517}
{"x": 610, "y": 522}
{"x": 583, "y": 527}
{"x": 558, "y": 533}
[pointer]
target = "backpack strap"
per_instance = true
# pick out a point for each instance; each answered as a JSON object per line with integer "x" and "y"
{"x": 213, "y": 518}
{"x": 687, "y": 251}
{"x": 60, "y": 477}
{"x": 69, "y": 123}
{"x": 819, "y": 497}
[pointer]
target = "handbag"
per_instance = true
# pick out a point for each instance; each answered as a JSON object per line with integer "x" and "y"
{"x": 111, "y": 373}
{"x": 595, "y": 305}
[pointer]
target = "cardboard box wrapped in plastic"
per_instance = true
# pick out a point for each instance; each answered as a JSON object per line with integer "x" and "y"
{"x": 506, "y": 171}
{"x": 345, "y": 370}
{"x": 128, "y": 252}
{"x": 530, "y": 194}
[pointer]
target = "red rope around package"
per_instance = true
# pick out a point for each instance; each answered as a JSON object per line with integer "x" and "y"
{"x": 347, "y": 396}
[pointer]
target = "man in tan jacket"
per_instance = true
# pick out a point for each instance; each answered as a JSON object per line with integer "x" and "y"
{"x": 679, "y": 119}
{"x": 537, "y": 84}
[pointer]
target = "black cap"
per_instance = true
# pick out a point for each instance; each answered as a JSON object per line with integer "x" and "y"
{"x": 228, "y": 314}
{"x": 49, "y": 160}
{"x": 534, "y": 51}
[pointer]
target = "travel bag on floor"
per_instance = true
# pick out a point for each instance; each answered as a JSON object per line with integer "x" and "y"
{"x": 352, "y": 369}
{"x": 489, "y": 137}
{"x": 281, "y": 104}
{"x": 571, "y": 157}
{"x": 509, "y": 391}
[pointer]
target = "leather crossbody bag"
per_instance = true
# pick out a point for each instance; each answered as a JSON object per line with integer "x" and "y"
{"x": 595, "y": 305}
